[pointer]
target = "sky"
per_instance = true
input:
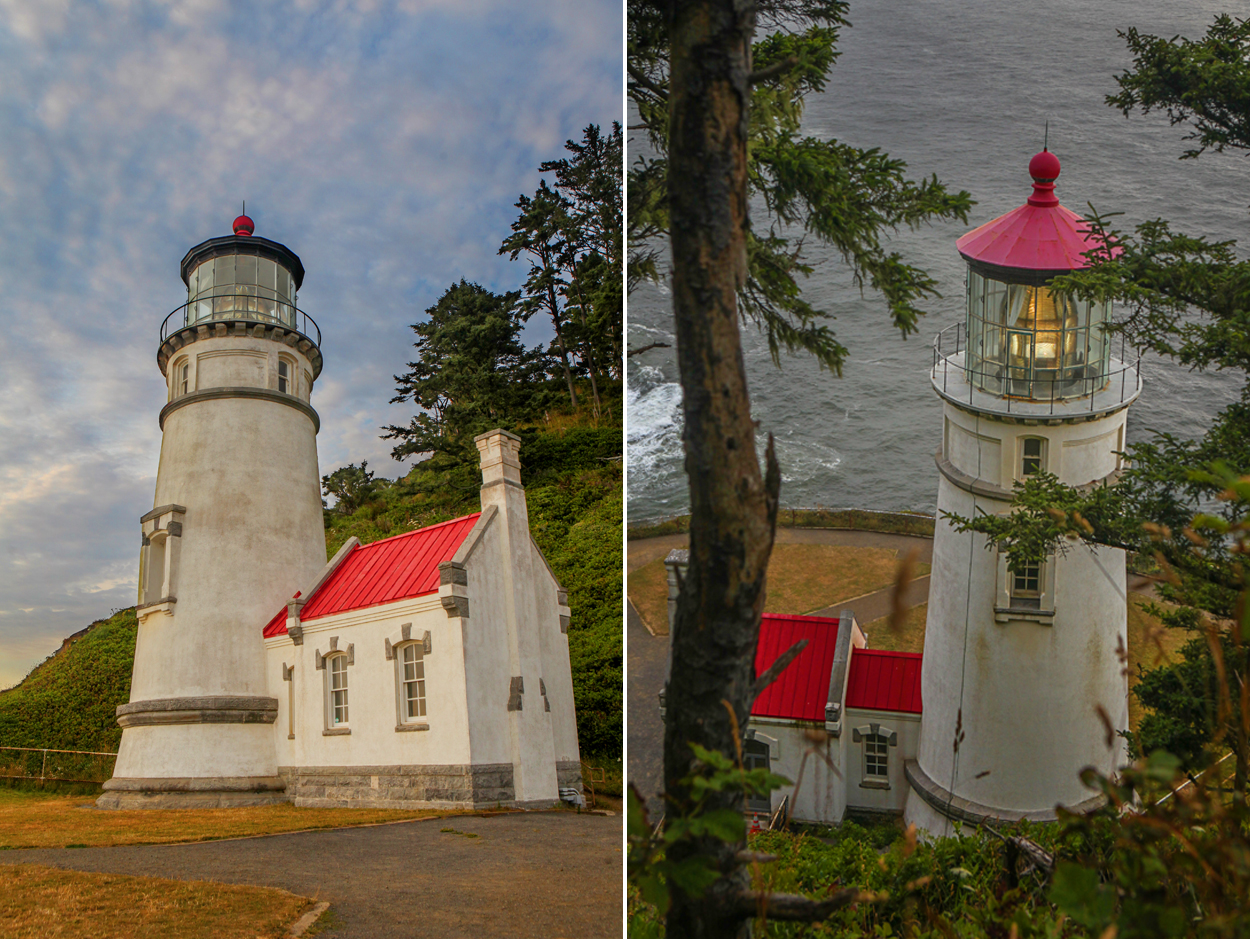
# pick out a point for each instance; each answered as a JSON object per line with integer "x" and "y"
{"x": 384, "y": 142}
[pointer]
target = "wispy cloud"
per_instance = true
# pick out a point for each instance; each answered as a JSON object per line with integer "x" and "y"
{"x": 384, "y": 142}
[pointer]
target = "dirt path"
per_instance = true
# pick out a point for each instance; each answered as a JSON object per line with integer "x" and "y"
{"x": 551, "y": 874}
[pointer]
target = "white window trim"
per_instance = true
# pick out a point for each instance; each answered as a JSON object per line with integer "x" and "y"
{"x": 291, "y": 371}
{"x": 394, "y": 651}
{"x": 1007, "y": 611}
{"x": 402, "y": 721}
{"x": 861, "y": 735}
{"x": 326, "y": 664}
{"x": 1044, "y": 459}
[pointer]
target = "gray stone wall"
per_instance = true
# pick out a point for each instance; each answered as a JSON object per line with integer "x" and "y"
{"x": 569, "y": 774}
{"x": 401, "y": 787}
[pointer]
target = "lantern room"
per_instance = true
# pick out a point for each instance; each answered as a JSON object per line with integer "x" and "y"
{"x": 1025, "y": 340}
{"x": 242, "y": 277}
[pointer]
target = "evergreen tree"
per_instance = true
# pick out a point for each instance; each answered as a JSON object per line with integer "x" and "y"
{"x": 842, "y": 196}
{"x": 723, "y": 112}
{"x": 539, "y": 233}
{"x": 471, "y": 373}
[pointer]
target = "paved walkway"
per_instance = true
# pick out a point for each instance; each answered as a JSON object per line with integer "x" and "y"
{"x": 549, "y": 874}
{"x": 648, "y": 654}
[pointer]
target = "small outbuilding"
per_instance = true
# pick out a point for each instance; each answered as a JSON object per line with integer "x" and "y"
{"x": 430, "y": 668}
{"x": 840, "y": 720}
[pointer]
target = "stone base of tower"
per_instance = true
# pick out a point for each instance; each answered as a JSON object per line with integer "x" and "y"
{"x": 935, "y": 810}
{"x": 202, "y": 792}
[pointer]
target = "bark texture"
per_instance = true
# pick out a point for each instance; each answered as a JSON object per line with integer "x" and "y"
{"x": 733, "y": 508}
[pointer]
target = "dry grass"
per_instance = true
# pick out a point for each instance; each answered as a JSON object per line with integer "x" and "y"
{"x": 908, "y": 639}
{"x": 802, "y": 578}
{"x": 35, "y": 820}
{"x": 47, "y": 903}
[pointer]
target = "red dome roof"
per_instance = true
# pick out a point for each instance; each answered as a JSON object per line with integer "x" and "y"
{"x": 244, "y": 226}
{"x": 1040, "y": 235}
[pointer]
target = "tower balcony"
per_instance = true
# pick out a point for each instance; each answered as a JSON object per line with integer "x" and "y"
{"x": 240, "y": 312}
{"x": 1028, "y": 394}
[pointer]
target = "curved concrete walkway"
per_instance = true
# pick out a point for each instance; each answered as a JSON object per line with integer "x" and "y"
{"x": 648, "y": 654}
{"x": 549, "y": 874}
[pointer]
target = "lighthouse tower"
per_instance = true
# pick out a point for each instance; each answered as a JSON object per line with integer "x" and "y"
{"x": 1017, "y": 664}
{"x": 236, "y": 529}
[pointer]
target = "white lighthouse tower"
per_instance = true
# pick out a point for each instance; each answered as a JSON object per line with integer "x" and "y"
{"x": 236, "y": 529}
{"x": 1017, "y": 663}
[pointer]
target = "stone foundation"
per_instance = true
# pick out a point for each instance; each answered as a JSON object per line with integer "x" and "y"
{"x": 454, "y": 786}
{"x": 208, "y": 792}
{"x": 569, "y": 774}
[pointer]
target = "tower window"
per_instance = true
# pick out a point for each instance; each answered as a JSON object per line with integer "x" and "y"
{"x": 1026, "y": 587}
{"x": 284, "y": 376}
{"x": 1032, "y": 456}
{"x": 184, "y": 378}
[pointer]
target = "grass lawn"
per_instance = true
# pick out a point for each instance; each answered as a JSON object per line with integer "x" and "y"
{"x": 802, "y": 578}
{"x": 47, "y": 903}
{"x": 39, "y": 820}
{"x": 1150, "y": 643}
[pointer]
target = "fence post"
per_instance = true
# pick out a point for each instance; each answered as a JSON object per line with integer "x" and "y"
{"x": 43, "y": 770}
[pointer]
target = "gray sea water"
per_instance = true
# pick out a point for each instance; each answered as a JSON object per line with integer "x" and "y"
{"x": 963, "y": 90}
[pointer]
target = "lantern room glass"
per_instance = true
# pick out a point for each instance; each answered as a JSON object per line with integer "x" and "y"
{"x": 1031, "y": 342}
{"x": 241, "y": 286}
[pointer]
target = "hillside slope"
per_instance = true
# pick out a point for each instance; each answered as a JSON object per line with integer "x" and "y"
{"x": 69, "y": 701}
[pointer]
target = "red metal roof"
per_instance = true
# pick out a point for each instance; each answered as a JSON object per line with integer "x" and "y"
{"x": 1040, "y": 235}
{"x": 397, "y": 568}
{"x": 884, "y": 681}
{"x": 802, "y": 690}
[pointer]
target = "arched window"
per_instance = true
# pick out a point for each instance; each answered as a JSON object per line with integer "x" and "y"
{"x": 411, "y": 662}
{"x": 286, "y": 373}
{"x": 1032, "y": 456}
{"x": 336, "y": 688}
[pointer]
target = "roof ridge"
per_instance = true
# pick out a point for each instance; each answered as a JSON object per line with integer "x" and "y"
{"x": 417, "y": 531}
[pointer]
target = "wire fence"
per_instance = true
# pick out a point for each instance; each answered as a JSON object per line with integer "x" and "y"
{"x": 49, "y": 765}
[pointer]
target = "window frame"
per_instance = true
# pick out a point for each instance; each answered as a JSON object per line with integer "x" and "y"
{"x": 417, "y": 650}
{"x": 289, "y": 378}
{"x": 1023, "y": 458}
{"x": 331, "y": 706}
{"x": 1017, "y": 600}
{"x": 876, "y": 757}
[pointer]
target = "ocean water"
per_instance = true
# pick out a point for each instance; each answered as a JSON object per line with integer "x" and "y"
{"x": 963, "y": 90}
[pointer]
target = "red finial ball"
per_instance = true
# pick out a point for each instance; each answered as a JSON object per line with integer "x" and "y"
{"x": 245, "y": 226}
{"x": 1044, "y": 167}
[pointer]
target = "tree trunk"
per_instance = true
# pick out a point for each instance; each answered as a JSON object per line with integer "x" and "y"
{"x": 732, "y": 509}
{"x": 564, "y": 354}
{"x": 588, "y": 356}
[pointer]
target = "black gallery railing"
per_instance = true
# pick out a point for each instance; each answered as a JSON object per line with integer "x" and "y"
{"x": 1027, "y": 391}
{"x": 241, "y": 306}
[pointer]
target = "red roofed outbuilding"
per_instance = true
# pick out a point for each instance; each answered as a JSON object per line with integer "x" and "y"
{"x": 839, "y": 721}
{"x": 430, "y": 668}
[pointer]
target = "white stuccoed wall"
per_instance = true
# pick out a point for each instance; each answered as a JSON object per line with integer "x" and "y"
{"x": 245, "y": 469}
{"x": 530, "y": 733}
{"x": 512, "y": 628}
{"x": 1027, "y": 690}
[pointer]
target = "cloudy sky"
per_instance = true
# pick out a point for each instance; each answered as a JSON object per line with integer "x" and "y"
{"x": 383, "y": 142}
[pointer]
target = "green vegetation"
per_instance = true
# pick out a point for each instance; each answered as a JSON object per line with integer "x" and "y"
{"x": 69, "y": 701}
{"x": 574, "y": 493}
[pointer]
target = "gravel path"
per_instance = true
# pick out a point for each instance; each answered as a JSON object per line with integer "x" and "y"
{"x": 548, "y": 874}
